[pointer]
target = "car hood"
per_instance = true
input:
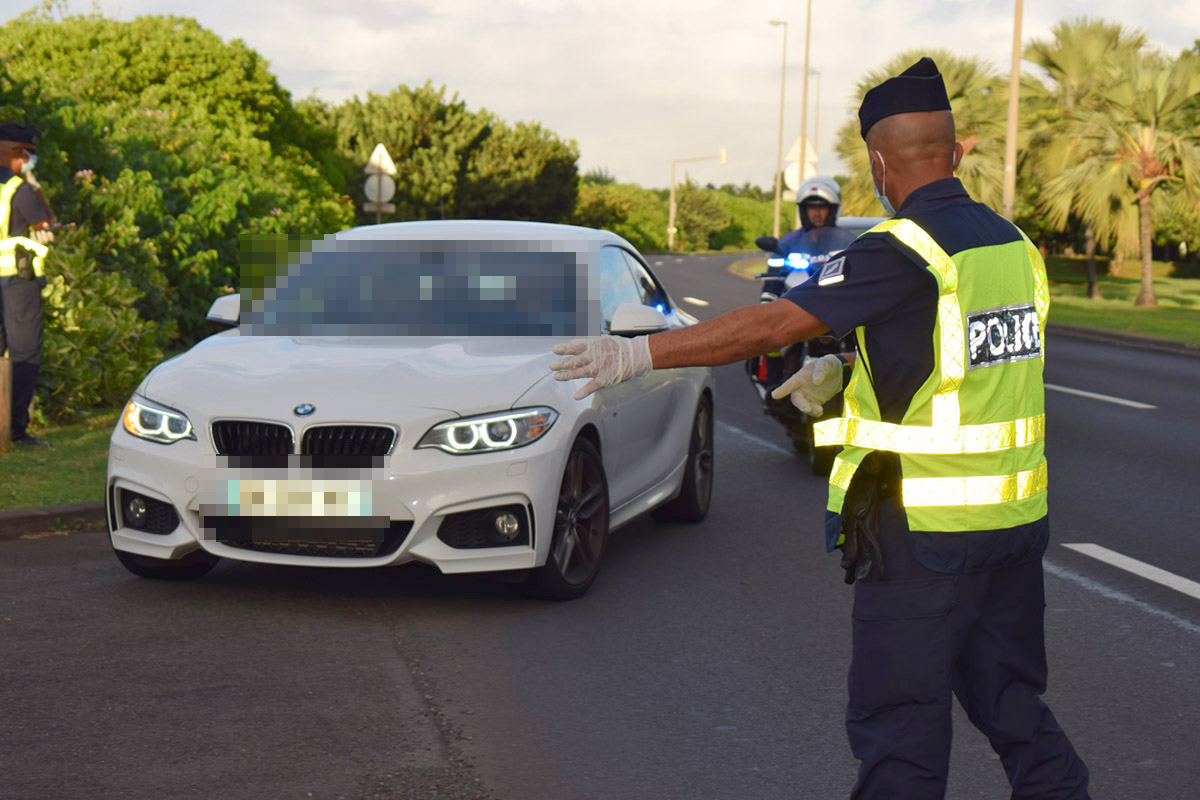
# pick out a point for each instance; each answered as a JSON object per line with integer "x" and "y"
{"x": 351, "y": 377}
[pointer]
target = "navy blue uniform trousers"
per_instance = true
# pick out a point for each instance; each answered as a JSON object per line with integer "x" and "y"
{"x": 920, "y": 635}
{"x": 21, "y": 334}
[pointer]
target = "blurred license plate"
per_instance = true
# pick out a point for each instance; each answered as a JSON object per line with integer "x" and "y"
{"x": 297, "y": 498}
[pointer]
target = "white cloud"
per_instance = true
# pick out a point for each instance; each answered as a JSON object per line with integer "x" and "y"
{"x": 636, "y": 82}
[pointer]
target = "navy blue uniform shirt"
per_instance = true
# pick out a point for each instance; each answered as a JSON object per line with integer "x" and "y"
{"x": 886, "y": 287}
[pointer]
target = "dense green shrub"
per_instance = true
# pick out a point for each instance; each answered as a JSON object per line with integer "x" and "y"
{"x": 96, "y": 348}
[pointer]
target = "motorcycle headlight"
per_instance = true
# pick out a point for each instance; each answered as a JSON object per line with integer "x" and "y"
{"x": 146, "y": 419}
{"x": 775, "y": 261}
{"x": 490, "y": 433}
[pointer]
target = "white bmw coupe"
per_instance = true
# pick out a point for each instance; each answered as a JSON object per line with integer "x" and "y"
{"x": 384, "y": 396}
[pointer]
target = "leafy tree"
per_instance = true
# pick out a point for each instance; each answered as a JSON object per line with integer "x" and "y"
{"x": 1133, "y": 143}
{"x": 164, "y": 143}
{"x": 598, "y": 175}
{"x": 699, "y": 216}
{"x": 602, "y": 205}
{"x": 451, "y": 161}
{"x": 1075, "y": 57}
{"x": 975, "y": 90}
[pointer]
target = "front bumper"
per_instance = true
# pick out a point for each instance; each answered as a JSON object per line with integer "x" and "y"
{"x": 414, "y": 490}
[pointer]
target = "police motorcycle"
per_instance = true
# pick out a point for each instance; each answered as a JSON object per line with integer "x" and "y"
{"x": 812, "y": 251}
{"x": 794, "y": 259}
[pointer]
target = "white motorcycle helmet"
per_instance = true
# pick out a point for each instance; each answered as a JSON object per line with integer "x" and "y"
{"x": 818, "y": 190}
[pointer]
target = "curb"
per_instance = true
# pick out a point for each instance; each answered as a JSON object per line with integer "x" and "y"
{"x": 72, "y": 516}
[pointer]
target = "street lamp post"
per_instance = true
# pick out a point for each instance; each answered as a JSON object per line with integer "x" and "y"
{"x": 1010, "y": 136}
{"x": 720, "y": 156}
{"x": 817, "y": 117}
{"x": 804, "y": 101}
{"x": 779, "y": 148}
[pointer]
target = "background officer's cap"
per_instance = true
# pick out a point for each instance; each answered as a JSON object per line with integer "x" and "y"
{"x": 15, "y": 132}
{"x": 918, "y": 88}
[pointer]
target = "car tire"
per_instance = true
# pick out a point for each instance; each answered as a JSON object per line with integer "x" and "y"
{"x": 695, "y": 493}
{"x": 580, "y": 529}
{"x": 195, "y": 564}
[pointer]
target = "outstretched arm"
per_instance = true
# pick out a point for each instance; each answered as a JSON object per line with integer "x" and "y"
{"x": 736, "y": 335}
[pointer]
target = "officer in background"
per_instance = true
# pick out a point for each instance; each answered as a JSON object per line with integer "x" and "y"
{"x": 938, "y": 499}
{"x": 24, "y": 219}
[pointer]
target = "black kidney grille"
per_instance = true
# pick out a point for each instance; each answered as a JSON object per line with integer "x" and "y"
{"x": 348, "y": 440}
{"x": 233, "y": 437}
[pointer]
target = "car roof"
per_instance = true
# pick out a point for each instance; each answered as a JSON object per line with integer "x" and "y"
{"x": 571, "y": 237}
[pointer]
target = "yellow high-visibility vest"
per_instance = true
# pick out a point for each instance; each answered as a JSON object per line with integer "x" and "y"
{"x": 9, "y": 244}
{"x": 970, "y": 444}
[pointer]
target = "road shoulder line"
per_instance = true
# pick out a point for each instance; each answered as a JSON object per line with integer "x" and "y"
{"x": 1139, "y": 568}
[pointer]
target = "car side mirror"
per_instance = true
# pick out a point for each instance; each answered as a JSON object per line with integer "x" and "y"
{"x": 226, "y": 310}
{"x": 634, "y": 319}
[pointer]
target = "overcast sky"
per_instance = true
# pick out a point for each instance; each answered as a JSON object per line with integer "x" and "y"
{"x": 636, "y": 83}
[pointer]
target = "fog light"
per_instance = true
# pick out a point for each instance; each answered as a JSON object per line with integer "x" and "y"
{"x": 135, "y": 511}
{"x": 507, "y": 525}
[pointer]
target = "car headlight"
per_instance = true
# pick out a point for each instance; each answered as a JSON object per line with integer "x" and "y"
{"x": 491, "y": 432}
{"x": 149, "y": 420}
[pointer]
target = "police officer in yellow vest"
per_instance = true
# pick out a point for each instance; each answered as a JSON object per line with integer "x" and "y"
{"x": 24, "y": 219}
{"x": 938, "y": 499}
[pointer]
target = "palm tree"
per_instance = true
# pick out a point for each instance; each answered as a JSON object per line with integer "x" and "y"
{"x": 1131, "y": 143}
{"x": 979, "y": 117}
{"x": 1075, "y": 57}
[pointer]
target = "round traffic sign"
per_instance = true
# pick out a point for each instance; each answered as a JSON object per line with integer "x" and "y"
{"x": 379, "y": 188}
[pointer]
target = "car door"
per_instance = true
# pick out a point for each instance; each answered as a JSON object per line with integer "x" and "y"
{"x": 658, "y": 433}
{"x": 625, "y": 406}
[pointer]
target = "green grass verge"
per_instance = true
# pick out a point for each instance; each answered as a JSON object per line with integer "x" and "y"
{"x": 72, "y": 472}
{"x": 1176, "y": 318}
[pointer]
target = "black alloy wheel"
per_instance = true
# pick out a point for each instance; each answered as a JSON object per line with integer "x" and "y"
{"x": 580, "y": 528}
{"x": 695, "y": 493}
{"x": 195, "y": 564}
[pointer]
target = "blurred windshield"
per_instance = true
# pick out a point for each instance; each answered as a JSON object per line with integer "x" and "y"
{"x": 822, "y": 241}
{"x": 376, "y": 288}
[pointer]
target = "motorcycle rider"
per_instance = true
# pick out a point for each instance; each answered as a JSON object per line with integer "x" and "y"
{"x": 817, "y": 201}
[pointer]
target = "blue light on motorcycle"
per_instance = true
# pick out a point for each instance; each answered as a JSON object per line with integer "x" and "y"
{"x": 795, "y": 261}
{"x": 661, "y": 309}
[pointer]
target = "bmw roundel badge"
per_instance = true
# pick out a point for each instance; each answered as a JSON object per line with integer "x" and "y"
{"x": 304, "y": 409}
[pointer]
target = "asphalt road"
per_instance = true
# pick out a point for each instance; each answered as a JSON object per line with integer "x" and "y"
{"x": 708, "y": 661}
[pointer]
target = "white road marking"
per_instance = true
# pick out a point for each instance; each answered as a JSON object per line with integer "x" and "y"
{"x": 1140, "y": 568}
{"x": 658, "y": 263}
{"x": 695, "y": 301}
{"x": 1106, "y": 398}
{"x": 758, "y": 440}
{"x": 1120, "y": 597}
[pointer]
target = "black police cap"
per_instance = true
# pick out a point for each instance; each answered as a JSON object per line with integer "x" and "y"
{"x": 15, "y": 132}
{"x": 918, "y": 88}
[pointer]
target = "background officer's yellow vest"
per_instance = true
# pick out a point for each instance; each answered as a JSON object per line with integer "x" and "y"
{"x": 9, "y": 244}
{"x": 971, "y": 441}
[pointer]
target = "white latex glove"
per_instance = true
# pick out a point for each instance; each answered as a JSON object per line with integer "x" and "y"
{"x": 817, "y": 383}
{"x": 604, "y": 359}
{"x": 42, "y": 236}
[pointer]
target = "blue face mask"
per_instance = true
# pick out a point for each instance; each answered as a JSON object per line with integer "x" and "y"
{"x": 879, "y": 193}
{"x": 29, "y": 165}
